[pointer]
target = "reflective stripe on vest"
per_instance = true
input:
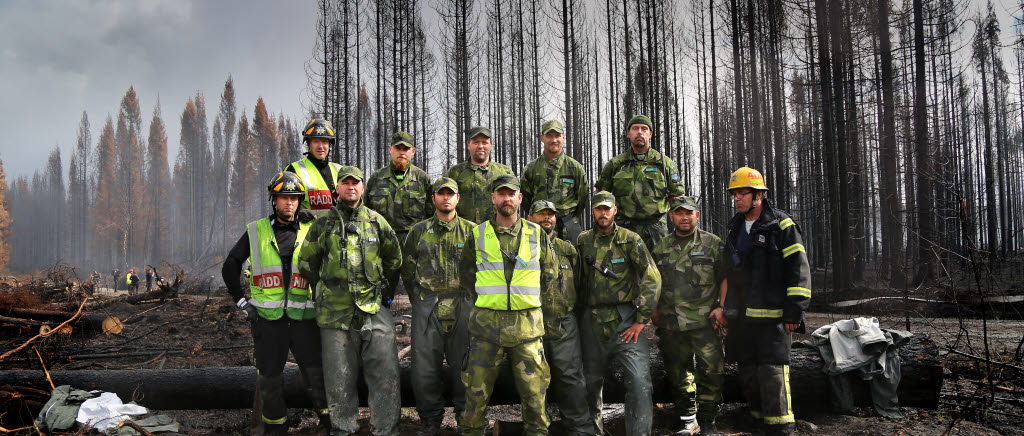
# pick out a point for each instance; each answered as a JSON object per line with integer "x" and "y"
{"x": 493, "y": 292}
{"x": 318, "y": 196}
{"x": 267, "y": 288}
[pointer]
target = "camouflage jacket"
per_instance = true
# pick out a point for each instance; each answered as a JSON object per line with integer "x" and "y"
{"x": 563, "y": 301}
{"x": 692, "y": 268}
{"x": 642, "y": 188}
{"x": 509, "y": 327}
{"x": 637, "y": 288}
{"x": 348, "y": 277}
{"x": 560, "y": 180}
{"x": 404, "y": 200}
{"x": 474, "y": 193}
{"x": 430, "y": 261}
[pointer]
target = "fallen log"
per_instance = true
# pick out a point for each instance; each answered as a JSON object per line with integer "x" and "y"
{"x": 89, "y": 322}
{"x": 234, "y": 387}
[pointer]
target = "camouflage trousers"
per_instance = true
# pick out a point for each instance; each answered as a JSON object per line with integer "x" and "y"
{"x": 766, "y": 387}
{"x": 432, "y": 344}
{"x": 696, "y": 388}
{"x": 530, "y": 372}
{"x": 651, "y": 230}
{"x": 562, "y": 348}
{"x": 372, "y": 347}
{"x": 635, "y": 359}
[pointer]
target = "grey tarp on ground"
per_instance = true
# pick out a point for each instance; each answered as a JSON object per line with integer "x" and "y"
{"x": 858, "y": 349}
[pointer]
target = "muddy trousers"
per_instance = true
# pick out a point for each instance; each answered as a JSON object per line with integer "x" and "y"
{"x": 766, "y": 388}
{"x": 371, "y": 347}
{"x": 271, "y": 342}
{"x": 635, "y": 359}
{"x": 695, "y": 366}
{"x": 562, "y": 348}
{"x": 530, "y": 372}
{"x": 432, "y": 345}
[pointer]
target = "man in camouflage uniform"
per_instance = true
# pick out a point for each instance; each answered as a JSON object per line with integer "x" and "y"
{"x": 621, "y": 286}
{"x": 352, "y": 258}
{"x": 400, "y": 191}
{"x": 430, "y": 272}
{"x": 505, "y": 265}
{"x": 689, "y": 317}
{"x": 474, "y": 176}
{"x": 557, "y": 178}
{"x": 561, "y": 332}
{"x": 643, "y": 180}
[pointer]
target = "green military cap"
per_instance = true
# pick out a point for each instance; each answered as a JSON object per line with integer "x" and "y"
{"x": 402, "y": 138}
{"x": 350, "y": 171}
{"x": 505, "y": 181}
{"x": 479, "y": 130}
{"x": 552, "y": 125}
{"x": 640, "y": 119}
{"x": 603, "y": 198}
{"x": 684, "y": 201}
{"x": 540, "y": 205}
{"x": 444, "y": 182}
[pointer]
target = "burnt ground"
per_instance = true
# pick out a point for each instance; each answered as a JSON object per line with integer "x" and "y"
{"x": 199, "y": 330}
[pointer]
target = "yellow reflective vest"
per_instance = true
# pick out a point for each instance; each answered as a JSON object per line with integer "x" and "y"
{"x": 318, "y": 195}
{"x": 267, "y": 285}
{"x": 493, "y": 291}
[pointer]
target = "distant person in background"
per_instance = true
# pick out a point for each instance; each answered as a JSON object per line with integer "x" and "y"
{"x": 149, "y": 279}
{"x": 116, "y": 272}
{"x": 133, "y": 282}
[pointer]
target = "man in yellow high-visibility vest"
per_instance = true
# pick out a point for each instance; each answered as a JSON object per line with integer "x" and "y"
{"x": 319, "y": 176}
{"x": 280, "y": 309}
{"x": 505, "y": 265}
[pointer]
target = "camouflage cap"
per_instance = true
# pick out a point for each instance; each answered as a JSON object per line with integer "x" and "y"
{"x": 603, "y": 198}
{"x": 350, "y": 171}
{"x": 640, "y": 119}
{"x": 683, "y": 201}
{"x": 444, "y": 182}
{"x": 540, "y": 205}
{"x": 550, "y": 125}
{"x": 402, "y": 138}
{"x": 505, "y": 181}
{"x": 478, "y": 130}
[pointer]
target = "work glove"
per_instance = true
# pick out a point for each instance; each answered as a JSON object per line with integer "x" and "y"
{"x": 250, "y": 311}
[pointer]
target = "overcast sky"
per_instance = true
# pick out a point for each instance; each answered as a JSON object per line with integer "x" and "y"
{"x": 58, "y": 58}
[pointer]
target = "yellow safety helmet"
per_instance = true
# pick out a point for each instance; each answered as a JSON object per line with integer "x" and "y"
{"x": 747, "y": 177}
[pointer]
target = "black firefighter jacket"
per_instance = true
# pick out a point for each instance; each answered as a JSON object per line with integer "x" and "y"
{"x": 770, "y": 282}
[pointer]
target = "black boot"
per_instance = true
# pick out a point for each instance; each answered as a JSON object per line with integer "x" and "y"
{"x": 431, "y": 426}
{"x": 275, "y": 429}
{"x": 325, "y": 422}
{"x": 708, "y": 428}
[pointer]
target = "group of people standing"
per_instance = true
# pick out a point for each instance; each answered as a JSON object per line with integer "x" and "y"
{"x": 560, "y": 301}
